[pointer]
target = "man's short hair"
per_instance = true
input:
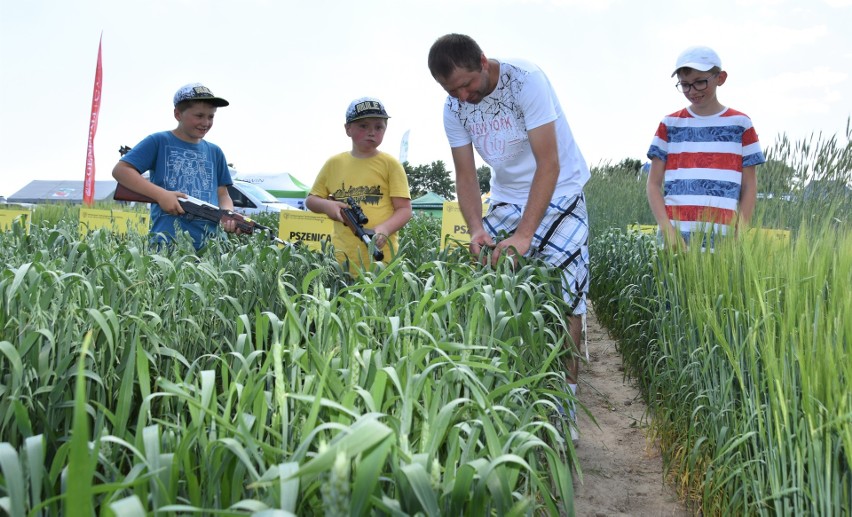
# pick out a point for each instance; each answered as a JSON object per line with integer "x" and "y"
{"x": 453, "y": 51}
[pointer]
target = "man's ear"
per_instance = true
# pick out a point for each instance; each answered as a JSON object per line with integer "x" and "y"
{"x": 723, "y": 76}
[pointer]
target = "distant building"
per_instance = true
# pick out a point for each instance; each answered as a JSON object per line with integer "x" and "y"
{"x": 826, "y": 189}
{"x": 61, "y": 191}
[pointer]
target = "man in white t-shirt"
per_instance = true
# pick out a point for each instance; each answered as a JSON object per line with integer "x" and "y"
{"x": 509, "y": 112}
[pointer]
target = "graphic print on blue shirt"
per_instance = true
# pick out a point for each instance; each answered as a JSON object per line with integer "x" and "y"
{"x": 730, "y": 133}
{"x": 703, "y": 187}
{"x": 189, "y": 171}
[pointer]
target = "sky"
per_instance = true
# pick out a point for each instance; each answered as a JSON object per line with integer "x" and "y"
{"x": 290, "y": 69}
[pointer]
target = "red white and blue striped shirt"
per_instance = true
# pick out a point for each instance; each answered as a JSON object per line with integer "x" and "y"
{"x": 704, "y": 157}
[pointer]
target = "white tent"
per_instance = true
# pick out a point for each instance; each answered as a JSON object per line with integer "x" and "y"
{"x": 284, "y": 186}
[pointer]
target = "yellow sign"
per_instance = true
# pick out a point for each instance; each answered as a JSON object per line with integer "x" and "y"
{"x": 8, "y": 216}
{"x": 309, "y": 228}
{"x": 773, "y": 239}
{"x": 650, "y": 229}
{"x": 770, "y": 236}
{"x": 453, "y": 227}
{"x": 779, "y": 236}
{"x": 118, "y": 221}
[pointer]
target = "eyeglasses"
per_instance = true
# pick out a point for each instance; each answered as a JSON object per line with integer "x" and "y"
{"x": 699, "y": 85}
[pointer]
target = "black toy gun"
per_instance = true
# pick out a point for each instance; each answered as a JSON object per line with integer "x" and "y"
{"x": 354, "y": 219}
{"x": 194, "y": 207}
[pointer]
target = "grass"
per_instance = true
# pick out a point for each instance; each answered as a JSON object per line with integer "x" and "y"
{"x": 743, "y": 354}
{"x": 253, "y": 377}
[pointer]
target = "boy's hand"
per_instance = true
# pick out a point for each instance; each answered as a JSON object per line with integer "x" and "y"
{"x": 230, "y": 226}
{"x": 333, "y": 208}
{"x": 337, "y": 211}
{"x": 672, "y": 239}
{"x": 380, "y": 237}
{"x": 168, "y": 201}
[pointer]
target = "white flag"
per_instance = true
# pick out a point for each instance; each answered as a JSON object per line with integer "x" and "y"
{"x": 403, "y": 147}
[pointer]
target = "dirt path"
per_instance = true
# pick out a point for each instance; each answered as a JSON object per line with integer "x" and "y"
{"x": 622, "y": 473}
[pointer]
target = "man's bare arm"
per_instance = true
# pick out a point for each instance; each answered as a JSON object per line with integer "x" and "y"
{"x": 470, "y": 199}
{"x": 545, "y": 150}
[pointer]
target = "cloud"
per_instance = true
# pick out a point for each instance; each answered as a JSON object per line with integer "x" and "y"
{"x": 816, "y": 90}
{"x": 767, "y": 27}
{"x": 772, "y": 39}
{"x": 817, "y": 77}
{"x": 596, "y": 5}
{"x": 759, "y": 3}
{"x": 763, "y": 39}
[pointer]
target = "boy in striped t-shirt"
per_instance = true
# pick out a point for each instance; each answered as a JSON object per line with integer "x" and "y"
{"x": 703, "y": 158}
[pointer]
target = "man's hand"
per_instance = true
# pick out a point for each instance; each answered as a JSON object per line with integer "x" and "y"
{"x": 514, "y": 245}
{"x": 480, "y": 239}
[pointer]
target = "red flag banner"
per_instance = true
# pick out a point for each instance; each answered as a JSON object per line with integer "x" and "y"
{"x": 89, "y": 181}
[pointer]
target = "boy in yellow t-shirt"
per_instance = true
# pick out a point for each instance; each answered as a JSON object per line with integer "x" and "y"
{"x": 374, "y": 179}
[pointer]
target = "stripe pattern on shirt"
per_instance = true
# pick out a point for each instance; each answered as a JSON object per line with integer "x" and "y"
{"x": 705, "y": 158}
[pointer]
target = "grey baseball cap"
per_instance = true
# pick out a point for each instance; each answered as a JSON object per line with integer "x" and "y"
{"x": 365, "y": 107}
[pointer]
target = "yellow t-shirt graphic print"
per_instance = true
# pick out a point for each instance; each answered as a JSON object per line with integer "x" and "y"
{"x": 371, "y": 182}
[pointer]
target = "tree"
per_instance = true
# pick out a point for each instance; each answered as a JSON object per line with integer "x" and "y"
{"x": 430, "y": 178}
{"x": 628, "y": 168}
{"x": 483, "y": 173}
{"x": 777, "y": 178}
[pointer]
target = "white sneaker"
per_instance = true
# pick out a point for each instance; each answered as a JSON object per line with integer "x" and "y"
{"x": 575, "y": 433}
{"x": 569, "y": 420}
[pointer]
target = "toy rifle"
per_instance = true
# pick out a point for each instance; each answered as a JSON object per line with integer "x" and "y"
{"x": 194, "y": 207}
{"x": 354, "y": 219}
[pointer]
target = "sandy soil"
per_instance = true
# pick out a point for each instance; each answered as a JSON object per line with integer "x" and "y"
{"x": 622, "y": 472}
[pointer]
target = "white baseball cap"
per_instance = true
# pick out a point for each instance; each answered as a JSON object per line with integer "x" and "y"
{"x": 698, "y": 58}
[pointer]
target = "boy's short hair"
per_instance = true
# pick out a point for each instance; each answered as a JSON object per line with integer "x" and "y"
{"x": 198, "y": 92}
{"x": 365, "y": 107}
{"x": 698, "y": 58}
{"x": 453, "y": 51}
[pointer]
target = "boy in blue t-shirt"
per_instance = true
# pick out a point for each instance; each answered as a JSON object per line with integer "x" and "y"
{"x": 181, "y": 164}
